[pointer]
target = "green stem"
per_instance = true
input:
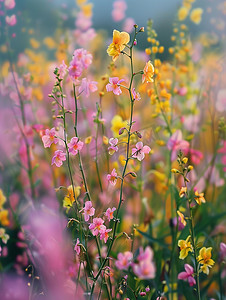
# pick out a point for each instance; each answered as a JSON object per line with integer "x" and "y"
{"x": 124, "y": 170}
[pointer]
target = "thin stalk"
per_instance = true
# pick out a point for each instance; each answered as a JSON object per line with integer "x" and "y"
{"x": 79, "y": 156}
{"x": 124, "y": 170}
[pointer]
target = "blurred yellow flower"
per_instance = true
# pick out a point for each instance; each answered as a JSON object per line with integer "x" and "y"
{"x": 120, "y": 39}
{"x": 185, "y": 247}
{"x": 69, "y": 198}
{"x": 205, "y": 260}
{"x": 196, "y": 15}
{"x": 4, "y": 217}
{"x": 49, "y": 42}
{"x": 34, "y": 43}
{"x": 87, "y": 10}
{"x": 2, "y": 199}
{"x": 117, "y": 123}
{"x": 181, "y": 218}
{"x": 183, "y": 13}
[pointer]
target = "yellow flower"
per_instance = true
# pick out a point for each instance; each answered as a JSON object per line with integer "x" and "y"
{"x": 2, "y": 198}
{"x": 183, "y": 191}
{"x": 120, "y": 39}
{"x": 87, "y": 10}
{"x": 88, "y": 140}
{"x": 205, "y": 260}
{"x": 34, "y": 43}
{"x": 69, "y": 198}
{"x": 196, "y": 15}
{"x": 117, "y": 123}
{"x": 183, "y": 13}
{"x": 181, "y": 218}
{"x": 148, "y": 72}
{"x": 199, "y": 198}
{"x": 185, "y": 247}
{"x": 49, "y": 42}
{"x": 4, "y": 219}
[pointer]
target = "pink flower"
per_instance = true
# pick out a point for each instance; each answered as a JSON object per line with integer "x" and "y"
{"x": 128, "y": 25}
{"x": 87, "y": 86}
{"x": 104, "y": 234}
{"x": 89, "y": 210}
{"x": 62, "y": 70}
{"x": 75, "y": 145}
{"x": 109, "y": 213}
{"x": 136, "y": 96}
{"x": 113, "y": 85}
{"x": 83, "y": 56}
{"x": 187, "y": 275}
{"x": 97, "y": 226}
{"x": 196, "y": 156}
{"x": 140, "y": 150}
{"x": 9, "y": 4}
{"x": 223, "y": 158}
{"x": 82, "y": 21}
{"x": 145, "y": 268}
{"x": 118, "y": 12}
{"x": 124, "y": 260}
{"x": 58, "y": 158}
{"x": 112, "y": 178}
{"x": 11, "y": 21}
{"x": 75, "y": 69}
{"x": 221, "y": 101}
{"x": 77, "y": 247}
{"x": 222, "y": 253}
{"x": 49, "y": 138}
{"x": 113, "y": 148}
{"x": 176, "y": 143}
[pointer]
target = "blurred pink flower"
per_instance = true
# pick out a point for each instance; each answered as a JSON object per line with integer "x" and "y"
{"x": 62, "y": 70}
{"x": 109, "y": 213}
{"x": 187, "y": 275}
{"x": 112, "y": 178}
{"x": 222, "y": 254}
{"x": 113, "y": 148}
{"x": 124, "y": 260}
{"x": 128, "y": 25}
{"x": 113, "y": 85}
{"x": 75, "y": 69}
{"x": 176, "y": 143}
{"x": 75, "y": 145}
{"x": 82, "y": 21}
{"x": 49, "y": 137}
{"x": 118, "y": 12}
{"x": 9, "y": 4}
{"x": 191, "y": 122}
{"x": 195, "y": 155}
{"x": 11, "y": 21}
{"x": 136, "y": 96}
{"x": 87, "y": 86}
{"x": 58, "y": 158}
{"x": 77, "y": 247}
{"x": 83, "y": 56}
{"x": 221, "y": 101}
{"x": 145, "y": 268}
{"x": 140, "y": 150}
{"x": 97, "y": 226}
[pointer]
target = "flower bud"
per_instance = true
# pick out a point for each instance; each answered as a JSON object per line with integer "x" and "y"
{"x": 121, "y": 130}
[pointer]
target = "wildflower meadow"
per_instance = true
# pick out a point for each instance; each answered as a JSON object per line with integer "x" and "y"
{"x": 113, "y": 149}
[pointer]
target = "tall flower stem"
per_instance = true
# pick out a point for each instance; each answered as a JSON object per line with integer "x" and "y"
{"x": 79, "y": 156}
{"x": 124, "y": 169}
{"x": 194, "y": 247}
